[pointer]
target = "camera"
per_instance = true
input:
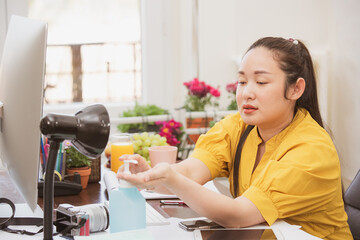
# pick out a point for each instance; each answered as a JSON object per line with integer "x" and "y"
{"x": 82, "y": 220}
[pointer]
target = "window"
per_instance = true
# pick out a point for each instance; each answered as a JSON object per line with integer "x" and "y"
{"x": 94, "y": 50}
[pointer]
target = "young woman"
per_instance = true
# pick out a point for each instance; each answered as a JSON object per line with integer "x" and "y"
{"x": 289, "y": 167}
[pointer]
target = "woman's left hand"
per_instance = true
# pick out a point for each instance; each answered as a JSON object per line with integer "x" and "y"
{"x": 161, "y": 174}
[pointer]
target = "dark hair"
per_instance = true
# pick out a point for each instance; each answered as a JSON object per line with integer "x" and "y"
{"x": 295, "y": 60}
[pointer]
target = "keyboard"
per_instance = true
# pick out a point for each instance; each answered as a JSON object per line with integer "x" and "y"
{"x": 153, "y": 217}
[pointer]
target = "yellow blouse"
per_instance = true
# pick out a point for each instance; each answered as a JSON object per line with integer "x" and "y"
{"x": 298, "y": 178}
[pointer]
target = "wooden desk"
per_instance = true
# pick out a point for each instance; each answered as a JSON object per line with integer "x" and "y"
{"x": 94, "y": 193}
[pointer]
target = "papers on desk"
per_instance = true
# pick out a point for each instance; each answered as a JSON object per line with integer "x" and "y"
{"x": 141, "y": 234}
{"x": 147, "y": 194}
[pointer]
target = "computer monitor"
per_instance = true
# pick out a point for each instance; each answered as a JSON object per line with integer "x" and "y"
{"x": 21, "y": 95}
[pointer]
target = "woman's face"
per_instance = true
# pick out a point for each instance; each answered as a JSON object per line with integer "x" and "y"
{"x": 260, "y": 92}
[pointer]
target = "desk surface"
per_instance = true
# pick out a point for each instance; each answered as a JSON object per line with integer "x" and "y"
{"x": 96, "y": 193}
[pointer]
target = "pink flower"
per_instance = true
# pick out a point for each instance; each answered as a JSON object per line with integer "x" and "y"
{"x": 215, "y": 92}
{"x": 165, "y": 131}
{"x": 186, "y": 84}
{"x": 231, "y": 87}
{"x": 172, "y": 124}
{"x": 172, "y": 131}
{"x": 173, "y": 141}
{"x": 67, "y": 143}
{"x": 198, "y": 90}
{"x": 158, "y": 122}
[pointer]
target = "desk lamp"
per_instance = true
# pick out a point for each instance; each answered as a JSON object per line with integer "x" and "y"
{"x": 88, "y": 131}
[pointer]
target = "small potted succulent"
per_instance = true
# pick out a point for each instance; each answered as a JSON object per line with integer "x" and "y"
{"x": 77, "y": 162}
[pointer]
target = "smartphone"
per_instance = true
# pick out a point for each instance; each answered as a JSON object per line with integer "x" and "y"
{"x": 198, "y": 224}
{"x": 230, "y": 234}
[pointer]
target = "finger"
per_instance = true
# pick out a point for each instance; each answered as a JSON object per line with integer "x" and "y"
{"x": 132, "y": 178}
{"x": 160, "y": 171}
{"x": 136, "y": 157}
{"x": 141, "y": 180}
{"x": 126, "y": 157}
{"x": 153, "y": 178}
{"x": 149, "y": 184}
{"x": 135, "y": 182}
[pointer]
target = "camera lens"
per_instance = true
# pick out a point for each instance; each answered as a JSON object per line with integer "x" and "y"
{"x": 98, "y": 216}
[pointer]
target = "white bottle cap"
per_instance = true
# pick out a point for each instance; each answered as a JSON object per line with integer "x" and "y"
{"x": 123, "y": 183}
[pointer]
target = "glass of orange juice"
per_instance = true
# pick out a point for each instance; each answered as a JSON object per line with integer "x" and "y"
{"x": 120, "y": 144}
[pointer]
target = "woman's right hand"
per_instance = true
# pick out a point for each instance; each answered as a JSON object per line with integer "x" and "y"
{"x": 142, "y": 165}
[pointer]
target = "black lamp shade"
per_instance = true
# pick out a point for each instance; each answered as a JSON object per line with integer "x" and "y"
{"x": 88, "y": 130}
{"x": 93, "y": 130}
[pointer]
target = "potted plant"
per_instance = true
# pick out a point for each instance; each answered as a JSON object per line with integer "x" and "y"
{"x": 231, "y": 88}
{"x": 77, "y": 162}
{"x": 141, "y": 110}
{"x": 199, "y": 96}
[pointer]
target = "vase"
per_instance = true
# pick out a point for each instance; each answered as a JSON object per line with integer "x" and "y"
{"x": 197, "y": 123}
{"x": 84, "y": 174}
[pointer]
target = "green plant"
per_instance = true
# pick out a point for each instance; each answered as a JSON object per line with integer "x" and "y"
{"x": 74, "y": 159}
{"x": 141, "y": 110}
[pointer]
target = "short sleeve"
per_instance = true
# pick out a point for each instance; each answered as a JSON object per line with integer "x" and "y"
{"x": 303, "y": 180}
{"x": 216, "y": 147}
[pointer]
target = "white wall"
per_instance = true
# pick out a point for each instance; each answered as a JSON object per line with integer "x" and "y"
{"x": 345, "y": 84}
{"x": 7, "y": 8}
{"x": 167, "y": 51}
{"x": 3, "y": 21}
{"x": 228, "y": 28}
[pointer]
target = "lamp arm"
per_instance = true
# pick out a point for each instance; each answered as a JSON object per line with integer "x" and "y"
{"x": 49, "y": 189}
